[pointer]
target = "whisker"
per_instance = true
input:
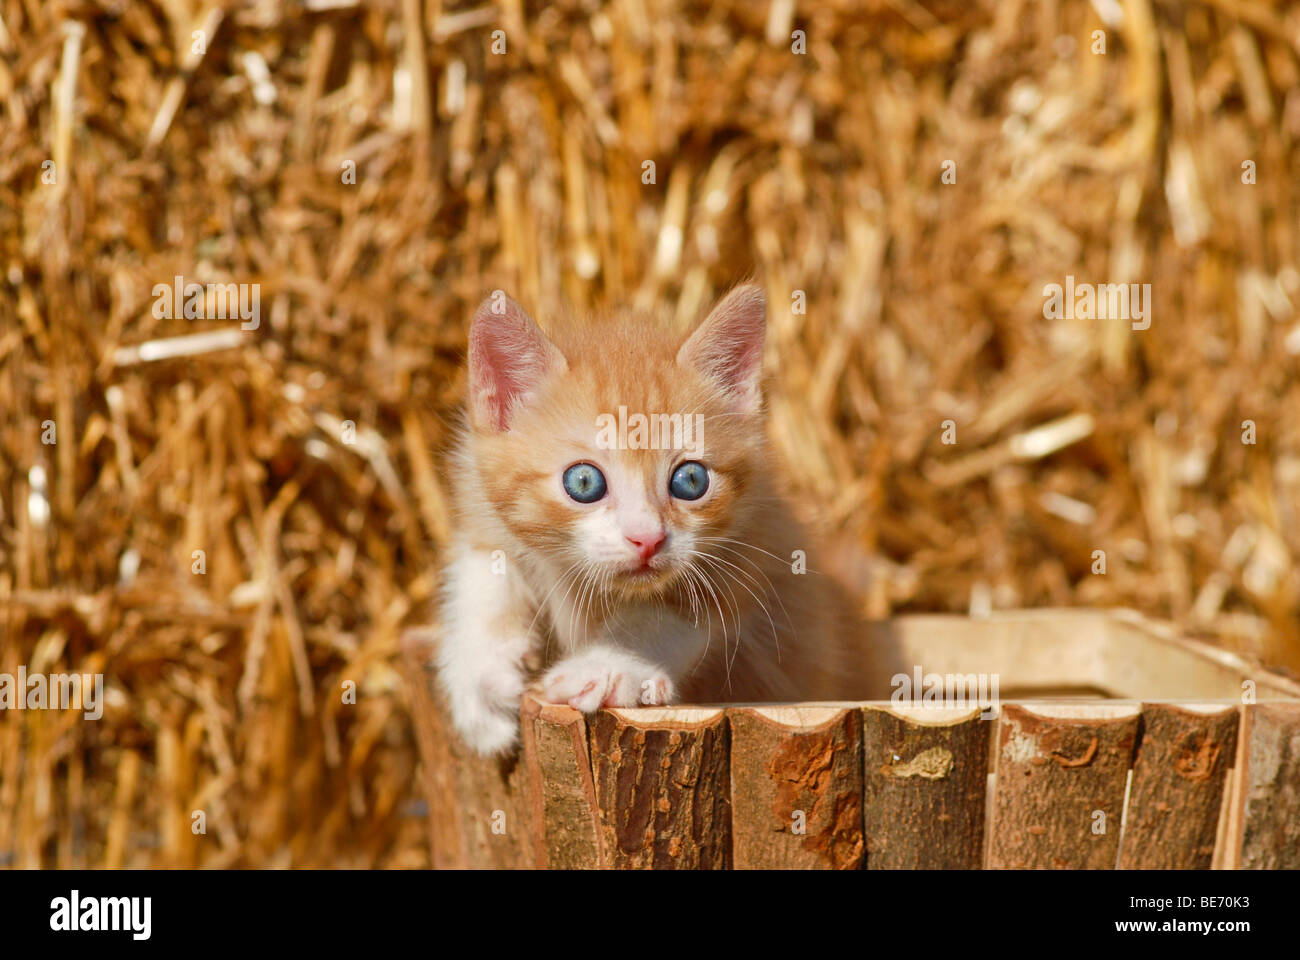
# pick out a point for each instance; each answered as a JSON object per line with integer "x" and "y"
{"x": 735, "y": 606}
{"x": 708, "y": 585}
{"x": 541, "y": 607}
{"x": 741, "y": 543}
{"x": 776, "y": 640}
{"x": 771, "y": 587}
{"x": 784, "y": 561}
{"x": 584, "y": 601}
{"x": 580, "y": 581}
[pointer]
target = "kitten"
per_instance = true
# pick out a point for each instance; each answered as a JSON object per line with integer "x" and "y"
{"x": 646, "y": 567}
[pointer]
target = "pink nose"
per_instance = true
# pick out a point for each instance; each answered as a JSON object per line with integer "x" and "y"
{"x": 647, "y": 544}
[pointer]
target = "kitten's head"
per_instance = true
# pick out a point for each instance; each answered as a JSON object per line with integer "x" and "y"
{"x": 613, "y": 449}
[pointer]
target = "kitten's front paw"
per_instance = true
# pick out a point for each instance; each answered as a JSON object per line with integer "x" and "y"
{"x": 607, "y": 678}
{"x": 486, "y": 712}
{"x": 489, "y": 733}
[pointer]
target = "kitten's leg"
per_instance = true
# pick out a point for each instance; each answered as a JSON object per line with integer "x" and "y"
{"x": 607, "y": 676}
{"x": 480, "y": 658}
{"x": 637, "y": 663}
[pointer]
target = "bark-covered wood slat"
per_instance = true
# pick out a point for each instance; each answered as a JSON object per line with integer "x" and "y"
{"x": 1270, "y": 835}
{"x": 925, "y": 777}
{"x": 478, "y": 811}
{"x": 1176, "y": 795}
{"x": 1061, "y": 775}
{"x": 796, "y": 787}
{"x": 562, "y": 791}
{"x": 663, "y": 787}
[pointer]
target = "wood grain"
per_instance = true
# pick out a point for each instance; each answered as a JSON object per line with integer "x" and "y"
{"x": 926, "y": 774}
{"x": 796, "y": 787}
{"x": 1061, "y": 775}
{"x": 562, "y": 791}
{"x": 1270, "y": 834}
{"x": 1178, "y": 784}
{"x": 663, "y": 787}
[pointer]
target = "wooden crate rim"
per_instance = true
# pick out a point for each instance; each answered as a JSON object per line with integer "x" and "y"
{"x": 1105, "y": 625}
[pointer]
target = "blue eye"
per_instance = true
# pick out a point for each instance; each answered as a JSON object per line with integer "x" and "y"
{"x": 689, "y": 481}
{"x": 584, "y": 482}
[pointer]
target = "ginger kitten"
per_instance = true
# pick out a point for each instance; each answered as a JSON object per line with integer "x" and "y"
{"x": 646, "y": 566}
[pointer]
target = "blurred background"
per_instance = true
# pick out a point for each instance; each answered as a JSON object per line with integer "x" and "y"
{"x": 234, "y": 527}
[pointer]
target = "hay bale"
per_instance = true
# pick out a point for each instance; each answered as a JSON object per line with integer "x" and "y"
{"x": 301, "y": 457}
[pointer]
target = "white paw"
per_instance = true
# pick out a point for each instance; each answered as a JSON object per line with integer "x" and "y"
{"x": 607, "y": 678}
{"x": 485, "y": 708}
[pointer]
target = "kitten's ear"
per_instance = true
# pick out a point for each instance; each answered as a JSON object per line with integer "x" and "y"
{"x": 509, "y": 357}
{"x": 728, "y": 346}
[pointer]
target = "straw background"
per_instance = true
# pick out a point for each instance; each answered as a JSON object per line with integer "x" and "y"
{"x": 819, "y": 172}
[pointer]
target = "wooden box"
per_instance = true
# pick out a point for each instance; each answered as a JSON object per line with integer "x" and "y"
{"x": 1114, "y": 743}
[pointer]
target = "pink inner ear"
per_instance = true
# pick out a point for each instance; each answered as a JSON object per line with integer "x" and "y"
{"x": 728, "y": 346}
{"x": 509, "y": 356}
